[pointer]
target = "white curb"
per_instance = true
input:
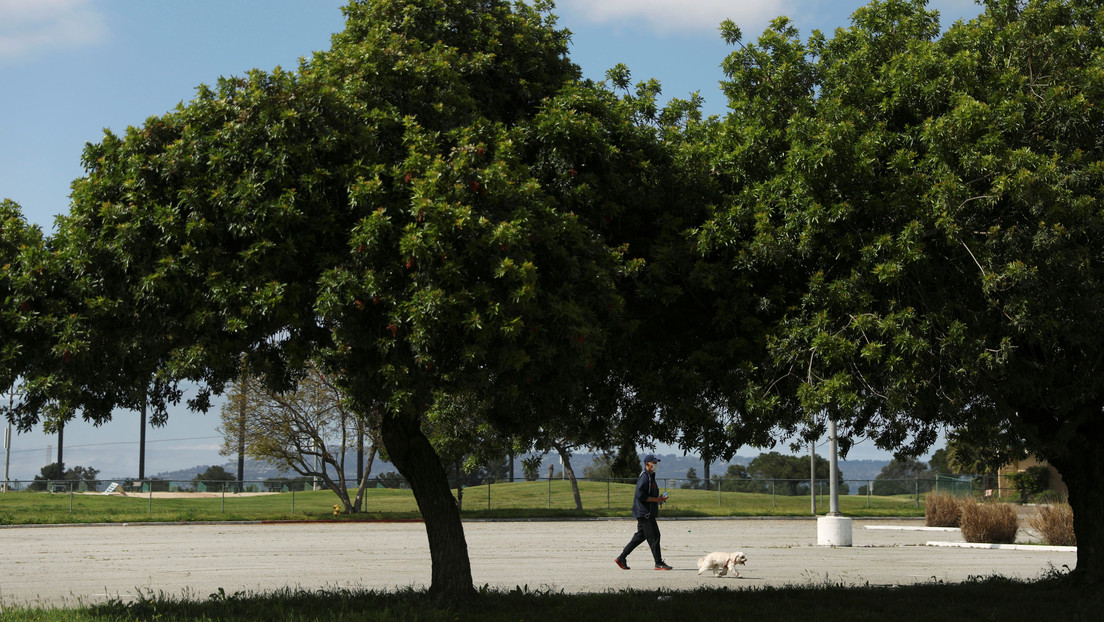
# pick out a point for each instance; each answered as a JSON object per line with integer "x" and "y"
{"x": 1008, "y": 547}
{"x": 908, "y": 528}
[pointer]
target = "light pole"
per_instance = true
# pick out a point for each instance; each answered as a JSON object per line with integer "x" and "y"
{"x": 812, "y": 477}
{"x": 833, "y": 471}
{"x": 833, "y": 529}
{"x": 7, "y": 454}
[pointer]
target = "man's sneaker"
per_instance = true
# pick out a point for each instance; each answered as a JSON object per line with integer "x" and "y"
{"x": 620, "y": 563}
{"x": 662, "y": 566}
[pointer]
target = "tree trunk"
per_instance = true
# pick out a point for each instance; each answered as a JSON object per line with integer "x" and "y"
{"x": 358, "y": 505}
{"x": 414, "y": 457}
{"x": 459, "y": 485}
{"x": 706, "y": 459}
{"x": 1082, "y": 467}
{"x": 565, "y": 456}
{"x": 363, "y": 475}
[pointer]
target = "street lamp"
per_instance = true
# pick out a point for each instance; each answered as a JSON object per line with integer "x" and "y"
{"x": 833, "y": 529}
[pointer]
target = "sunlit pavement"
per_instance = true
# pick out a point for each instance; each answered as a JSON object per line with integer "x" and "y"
{"x": 88, "y": 564}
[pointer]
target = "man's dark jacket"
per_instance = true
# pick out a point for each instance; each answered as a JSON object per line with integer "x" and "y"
{"x": 645, "y": 487}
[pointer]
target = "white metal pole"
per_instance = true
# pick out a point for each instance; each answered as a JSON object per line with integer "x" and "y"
{"x": 812, "y": 476}
{"x": 833, "y": 471}
{"x": 7, "y": 454}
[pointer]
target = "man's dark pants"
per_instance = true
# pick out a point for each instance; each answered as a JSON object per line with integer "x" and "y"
{"x": 646, "y": 529}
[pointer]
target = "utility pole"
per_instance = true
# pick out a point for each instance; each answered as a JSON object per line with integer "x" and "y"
{"x": 243, "y": 405}
{"x": 61, "y": 441}
{"x": 142, "y": 442}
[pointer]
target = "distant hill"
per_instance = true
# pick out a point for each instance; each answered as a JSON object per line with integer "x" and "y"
{"x": 864, "y": 470}
{"x": 255, "y": 470}
{"x": 671, "y": 466}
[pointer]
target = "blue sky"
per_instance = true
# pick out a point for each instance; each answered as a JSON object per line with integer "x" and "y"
{"x": 70, "y": 68}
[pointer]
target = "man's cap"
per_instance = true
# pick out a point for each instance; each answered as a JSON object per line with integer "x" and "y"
{"x": 650, "y": 458}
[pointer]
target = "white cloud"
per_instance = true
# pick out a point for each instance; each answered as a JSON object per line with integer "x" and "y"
{"x": 678, "y": 15}
{"x": 31, "y": 27}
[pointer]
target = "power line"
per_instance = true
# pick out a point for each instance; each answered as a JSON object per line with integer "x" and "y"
{"x": 148, "y": 442}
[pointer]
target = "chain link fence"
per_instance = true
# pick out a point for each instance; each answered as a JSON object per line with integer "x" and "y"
{"x": 554, "y": 493}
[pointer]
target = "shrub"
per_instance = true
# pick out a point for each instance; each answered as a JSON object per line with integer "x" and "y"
{"x": 1050, "y": 497}
{"x": 989, "y": 522}
{"x": 391, "y": 479}
{"x": 1030, "y": 482}
{"x": 942, "y": 510}
{"x": 1055, "y": 524}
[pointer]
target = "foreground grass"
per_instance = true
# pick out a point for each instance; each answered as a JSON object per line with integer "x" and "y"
{"x": 507, "y": 500}
{"x": 988, "y": 599}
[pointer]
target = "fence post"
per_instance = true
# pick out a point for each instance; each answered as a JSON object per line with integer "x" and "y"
{"x": 293, "y": 498}
{"x": 489, "y": 495}
{"x": 774, "y": 504}
{"x": 917, "y": 482}
{"x": 70, "y": 498}
{"x": 150, "y": 498}
{"x": 549, "y": 492}
{"x": 607, "y": 493}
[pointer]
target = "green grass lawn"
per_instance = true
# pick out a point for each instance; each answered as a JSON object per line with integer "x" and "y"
{"x": 506, "y": 500}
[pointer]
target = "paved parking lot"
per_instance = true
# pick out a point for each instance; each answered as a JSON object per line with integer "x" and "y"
{"x": 62, "y": 565}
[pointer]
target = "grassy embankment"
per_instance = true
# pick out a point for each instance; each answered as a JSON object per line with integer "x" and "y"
{"x": 507, "y": 500}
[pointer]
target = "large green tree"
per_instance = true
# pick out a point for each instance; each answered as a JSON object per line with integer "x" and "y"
{"x": 934, "y": 202}
{"x": 900, "y": 477}
{"x": 792, "y": 471}
{"x": 70, "y": 478}
{"x": 26, "y": 292}
{"x": 434, "y": 206}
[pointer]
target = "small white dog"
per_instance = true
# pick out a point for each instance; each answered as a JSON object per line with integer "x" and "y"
{"x": 722, "y": 563}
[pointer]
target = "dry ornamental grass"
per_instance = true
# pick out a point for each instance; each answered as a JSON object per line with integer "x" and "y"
{"x": 942, "y": 510}
{"x": 1055, "y": 524}
{"x": 989, "y": 522}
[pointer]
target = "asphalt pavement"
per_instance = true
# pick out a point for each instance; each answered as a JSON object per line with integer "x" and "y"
{"x": 65, "y": 565}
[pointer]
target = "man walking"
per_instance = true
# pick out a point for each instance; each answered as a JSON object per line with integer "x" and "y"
{"x": 646, "y": 502}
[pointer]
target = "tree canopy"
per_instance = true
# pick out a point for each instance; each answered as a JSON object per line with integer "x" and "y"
{"x": 25, "y": 289}
{"x": 434, "y": 206}
{"x": 935, "y": 203}
{"x": 893, "y": 228}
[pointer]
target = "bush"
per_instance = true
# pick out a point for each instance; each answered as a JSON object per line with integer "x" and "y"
{"x": 392, "y": 479}
{"x": 1050, "y": 497}
{"x": 942, "y": 510}
{"x": 989, "y": 522}
{"x": 1055, "y": 524}
{"x": 1030, "y": 482}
